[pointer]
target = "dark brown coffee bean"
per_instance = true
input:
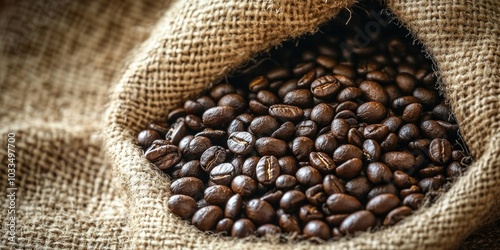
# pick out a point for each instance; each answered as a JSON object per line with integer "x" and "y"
{"x": 288, "y": 165}
{"x": 427, "y": 97}
{"x": 333, "y": 185}
{"x": 393, "y": 123}
{"x": 244, "y": 185}
{"x": 325, "y": 86}
{"x": 219, "y": 116}
{"x": 406, "y": 82}
{"x": 382, "y": 204}
{"x": 242, "y": 228}
{"x": 306, "y": 128}
{"x": 163, "y": 156}
{"x": 194, "y": 123}
{"x": 414, "y": 201}
{"x": 189, "y": 186}
{"x": 308, "y": 176}
{"x": 173, "y": 116}
{"x": 286, "y": 181}
{"x": 390, "y": 143}
{"x": 217, "y": 195}
{"x": 289, "y": 224}
{"x": 411, "y": 190}
{"x": 300, "y": 97}
{"x": 267, "y": 170}
{"x": 345, "y": 114}
{"x": 288, "y": 86}
{"x": 322, "y": 162}
{"x": 241, "y": 143}
{"x": 221, "y": 90}
{"x": 378, "y": 172}
{"x": 233, "y": 207}
{"x": 260, "y": 212}
{"x": 346, "y": 152}
{"x": 344, "y": 70}
{"x": 430, "y": 171}
{"x": 371, "y": 150}
{"x": 326, "y": 143}
{"x": 399, "y": 160}
{"x": 146, "y": 137}
{"x": 193, "y": 107}
{"x": 429, "y": 184}
{"x": 195, "y": 148}
{"x": 343, "y": 204}
{"x": 212, "y": 157}
{"x": 249, "y": 166}
{"x": 191, "y": 169}
{"x": 309, "y": 212}
{"x": 273, "y": 197}
{"x": 440, "y": 151}
{"x": 376, "y": 132}
{"x": 286, "y": 112}
{"x": 374, "y": 92}
{"x": 442, "y": 112}
{"x": 379, "y": 76}
{"x": 292, "y": 200}
{"x": 267, "y": 98}
{"x": 336, "y": 219}
{"x": 301, "y": 147}
{"x": 431, "y": 129}
{"x": 278, "y": 73}
{"x": 271, "y": 146}
{"x": 412, "y": 112}
{"x": 403, "y": 180}
{"x": 207, "y": 217}
{"x": 349, "y": 169}
{"x": 257, "y": 84}
{"x": 258, "y": 108}
{"x": 340, "y": 128}
{"x": 223, "y": 174}
{"x": 213, "y": 135}
{"x": 371, "y": 112}
{"x": 408, "y": 132}
{"x": 316, "y": 229}
{"x": 268, "y": 229}
{"x": 182, "y": 206}
{"x": 284, "y": 132}
{"x": 455, "y": 169}
{"x": 401, "y": 102}
{"x": 382, "y": 189}
{"x": 358, "y": 187}
{"x": 348, "y": 94}
{"x": 308, "y": 77}
{"x": 397, "y": 215}
{"x": 316, "y": 195}
{"x": 224, "y": 226}
{"x": 322, "y": 114}
{"x": 235, "y": 101}
{"x": 357, "y": 222}
{"x": 177, "y": 131}
{"x": 355, "y": 137}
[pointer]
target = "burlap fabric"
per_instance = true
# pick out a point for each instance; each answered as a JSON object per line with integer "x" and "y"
{"x": 61, "y": 58}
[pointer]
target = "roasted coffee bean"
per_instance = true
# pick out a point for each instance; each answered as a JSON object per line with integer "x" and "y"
{"x": 285, "y": 112}
{"x": 393, "y": 123}
{"x": 306, "y": 128}
{"x": 403, "y": 180}
{"x": 217, "y": 195}
{"x": 427, "y": 97}
{"x": 454, "y": 169}
{"x": 182, "y": 206}
{"x": 309, "y": 212}
{"x": 348, "y": 94}
{"x": 244, "y": 185}
{"x": 221, "y": 90}
{"x": 206, "y": 218}
{"x": 440, "y": 151}
{"x": 317, "y": 229}
{"x": 249, "y": 166}
{"x": 292, "y": 200}
{"x": 233, "y": 207}
{"x": 389, "y": 143}
{"x": 376, "y": 132}
{"x": 326, "y": 143}
{"x": 325, "y": 86}
{"x": 430, "y": 171}
{"x": 346, "y": 114}
{"x": 218, "y": 117}
{"x": 429, "y": 184}
{"x": 242, "y": 228}
{"x": 333, "y": 185}
{"x": 288, "y": 165}
{"x": 284, "y": 132}
{"x": 308, "y": 176}
{"x": 146, "y": 137}
{"x": 256, "y": 85}
{"x": 268, "y": 229}
{"x": 223, "y": 174}
{"x": 397, "y": 215}
{"x": 406, "y": 82}
{"x": 301, "y": 147}
{"x": 300, "y": 97}
{"x": 343, "y": 204}
{"x": 412, "y": 112}
{"x": 355, "y": 137}
{"x": 194, "y": 123}
{"x": 173, "y": 116}
{"x": 267, "y": 170}
{"x": 260, "y": 212}
{"x": 411, "y": 190}
{"x": 379, "y": 76}
{"x": 374, "y": 92}
{"x": 289, "y": 224}
{"x": 213, "y": 135}
{"x": 241, "y": 143}
{"x": 224, "y": 226}
{"x": 195, "y": 148}
{"x": 340, "y": 128}
{"x": 271, "y": 146}
{"x": 358, "y": 187}
{"x": 382, "y": 204}
{"x": 382, "y": 189}
{"x": 286, "y": 181}
{"x": 432, "y": 129}
{"x": 322, "y": 114}
{"x": 399, "y": 160}
{"x": 193, "y": 107}
{"x": 288, "y": 86}
{"x": 164, "y": 156}
{"x": 233, "y": 100}
{"x": 267, "y": 98}
{"x": 322, "y": 162}
{"x": 371, "y": 150}
{"x": 442, "y": 112}
{"x": 401, "y": 102}
{"x": 349, "y": 169}
{"x": 189, "y": 186}
{"x": 308, "y": 76}
{"x": 316, "y": 195}
{"x": 212, "y": 157}
{"x": 371, "y": 112}
{"x": 414, "y": 200}
{"x": 358, "y": 221}
{"x": 346, "y": 152}
{"x": 408, "y": 132}
{"x": 273, "y": 197}
{"x": 278, "y": 73}
{"x": 191, "y": 169}
{"x": 378, "y": 172}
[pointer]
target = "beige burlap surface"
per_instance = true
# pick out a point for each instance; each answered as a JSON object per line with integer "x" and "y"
{"x": 60, "y": 61}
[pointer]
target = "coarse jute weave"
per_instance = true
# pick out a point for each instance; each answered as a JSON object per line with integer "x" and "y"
{"x": 63, "y": 63}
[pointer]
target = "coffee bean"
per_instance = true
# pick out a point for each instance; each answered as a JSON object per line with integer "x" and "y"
{"x": 440, "y": 151}
{"x": 182, "y": 206}
{"x": 317, "y": 229}
{"x": 258, "y": 108}
{"x": 308, "y": 176}
{"x": 406, "y": 82}
{"x": 412, "y": 112}
{"x": 403, "y": 180}
{"x": 308, "y": 77}
{"x": 322, "y": 114}
{"x": 242, "y": 228}
{"x": 292, "y": 200}
{"x": 286, "y": 112}
{"x": 249, "y": 166}
{"x": 288, "y": 86}
{"x": 267, "y": 98}
{"x": 340, "y": 128}
{"x": 224, "y": 226}
{"x": 414, "y": 200}
{"x": 244, "y": 185}
{"x": 326, "y": 143}
{"x": 191, "y": 169}
{"x": 408, "y": 132}
{"x": 233, "y": 207}
{"x": 325, "y": 86}
{"x": 273, "y": 197}
{"x": 235, "y": 101}
{"x": 411, "y": 190}
{"x": 288, "y": 165}
{"x": 344, "y": 70}
{"x": 223, "y": 174}
{"x": 300, "y": 97}
{"x": 286, "y": 181}
{"x": 349, "y": 169}
{"x": 355, "y": 137}
{"x": 217, "y": 195}
{"x": 301, "y": 147}
{"x": 382, "y": 204}
{"x": 399, "y": 160}
{"x": 322, "y": 162}
{"x": 189, "y": 186}
{"x": 358, "y": 187}
{"x": 289, "y": 224}
{"x": 430, "y": 171}
{"x": 163, "y": 156}
{"x": 171, "y": 117}
{"x": 212, "y": 157}
{"x": 308, "y": 213}
{"x": 371, "y": 112}
{"x": 278, "y": 73}
{"x": 358, "y": 221}
{"x": 333, "y": 185}
{"x": 195, "y": 148}
{"x": 378, "y": 172}
{"x": 382, "y": 189}
{"x": 207, "y": 217}
{"x": 454, "y": 169}
{"x": 267, "y": 170}
{"x": 348, "y": 94}
{"x": 260, "y": 212}
{"x": 193, "y": 107}
{"x": 316, "y": 195}
{"x": 241, "y": 142}
{"x": 218, "y": 117}
{"x": 379, "y": 76}
{"x": 146, "y": 137}
{"x": 427, "y": 97}
{"x": 376, "y": 132}
{"x": 306, "y": 128}
{"x": 397, "y": 215}
{"x": 429, "y": 184}
{"x": 271, "y": 146}
{"x": 374, "y": 92}
{"x": 346, "y": 152}
{"x": 343, "y": 204}
{"x": 442, "y": 112}
{"x": 268, "y": 229}
{"x": 389, "y": 143}
{"x": 284, "y": 132}
{"x": 213, "y": 135}
{"x": 371, "y": 150}
{"x": 257, "y": 84}
{"x": 401, "y": 102}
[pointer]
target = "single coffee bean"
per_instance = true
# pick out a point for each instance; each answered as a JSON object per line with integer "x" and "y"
{"x": 382, "y": 189}
{"x": 343, "y": 203}
{"x": 206, "y": 218}
{"x": 273, "y": 197}
{"x": 414, "y": 200}
{"x": 191, "y": 169}
{"x": 355, "y": 137}
{"x": 182, "y": 206}
{"x": 454, "y": 170}
{"x": 194, "y": 123}
{"x": 371, "y": 112}
{"x": 173, "y": 116}
{"x": 271, "y": 146}
{"x": 267, "y": 98}
{"x": 260, "y": 212}
{"x": 403, "y": 180}
{"x": 347, "y": 105}
{"x": 193, "y": 107}
{"x": 382, "y": 204}
{"x": 379, "y": 76}
{"x": 308, "y": 176}
{"x": 371, "y": 150}
{"x": 301, "y": 147}
{"x": 322, "y": 162}
{"x": 399, "y": 160}
{"x": 241, "y": 143}
{"x": 306, "y": 128}
{"x": 346, "y": 114}
{"x": 326, "y": 143}
{"x": 163, "y": 156}
{"x": 412, "y": 112}
{"x": 316, "y": 195}
{"x": 308, "y": 76}
{"x": 348, "y": 94}
{"x": 242, "y": 228}
{"x": 333, "y": 185}
{"x": 219, "y": 116}
{"x": 401, "y": 102}
{"x": 244, "y": 185}
{"x": 325, "y": 86}
{"x": 340, "y": 129}
{"x": 235, "y": 101}
{"x": 389, "y": 143}
{"x": 292, "y": 200}
{"x": 326, "y": 61}
{"x": 224, "y": 226}
{"x": 189, "y": 186}
{"x": 440, "y": 151}
{"x": 309, "y": 212}
{"x": 288, "y": 165}
{"x": 213, "y": 135}
{"x": 427, "y": 97}
{"x": 195, "y": 148}
{"x": 146, "y": 137}
{"x": 358, "y": 187}
{"x": 442, "y": 112}
{"x": 344, "y": 70}
{"x": 223, "y": 174}
{"x": 397, "y": 215}
{"x": 317, "y": 229}
{"x": 217, "y": 195}
{"x": 429, "y": 184}
{"x": 286, "y": 181}
{"x": 300, "y": 97}
{"x": 268, "y": 229}
{"x": 233, "y": 207}
{"x": 378, "y": 172}
{"x": 249, "y": 166}
{"x": 374, "y": 92}
{"x": 430, "y": 171}
{"x": 284, "y": 132}
{"x": 346, "y": 152}
{"x": 289, "y": 224}
{"x": 263, "y": 125}
{"x": 432, "y": 129}
{"x": 267, "y": 170}
{"x": 376, "y": 132}
{"x": 406, "y": 82}
{"x": 212, "y": 157}
{"x": 411, "y": 190}
{"x": 408, "y": 132}
{"x": 257, "y": 84}
{"x": 349, "y": 169}
{"x": 221, "y": 90}
{"x": 285, "y": 112}
{"x": 322, "y": 114}
{"x": 358, "y": 221}
{"x": 288, "y": 86}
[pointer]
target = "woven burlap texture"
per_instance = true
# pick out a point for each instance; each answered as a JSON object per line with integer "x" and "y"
{"x": 59, "y": 61}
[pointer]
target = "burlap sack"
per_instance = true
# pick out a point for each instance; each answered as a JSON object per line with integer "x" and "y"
{"x": 60, "y": 58}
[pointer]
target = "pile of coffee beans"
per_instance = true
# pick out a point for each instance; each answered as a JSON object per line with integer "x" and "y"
{"x": 327, "y": 136}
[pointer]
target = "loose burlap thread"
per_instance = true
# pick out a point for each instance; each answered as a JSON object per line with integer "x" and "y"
{"x": 55, "y": 81}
